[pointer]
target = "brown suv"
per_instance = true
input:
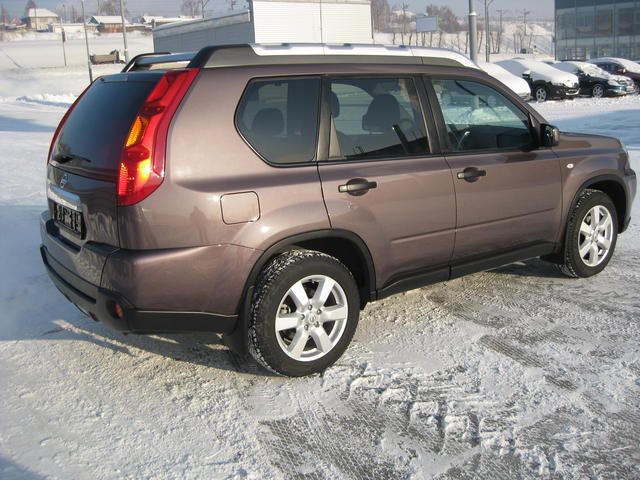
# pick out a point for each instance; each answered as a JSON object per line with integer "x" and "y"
{"x": 270, "y": 192}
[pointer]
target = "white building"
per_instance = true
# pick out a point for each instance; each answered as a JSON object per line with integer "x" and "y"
{"x": 273, "y": 21}
{"x": 40, "y": 18}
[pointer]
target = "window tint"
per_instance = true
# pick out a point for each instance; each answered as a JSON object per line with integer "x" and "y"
{"x": 478, "y": 117}
{"x": 97, "y": 127}
{"x": 375, "y": 117}
{"x": 279, "y": 118}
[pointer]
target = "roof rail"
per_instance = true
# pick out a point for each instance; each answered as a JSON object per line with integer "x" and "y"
{"x": 145, "y": 61}
{"x": 301, "y": 53}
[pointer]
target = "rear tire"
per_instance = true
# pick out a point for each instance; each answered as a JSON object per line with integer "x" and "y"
{"x": 541, "y": 94}
{"x": 304, "y": 313}
{"x": 592, "y": 232}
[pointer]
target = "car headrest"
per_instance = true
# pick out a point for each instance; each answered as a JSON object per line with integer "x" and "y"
{"x": 268, "y": 121}
{"x": 383, "y": 112}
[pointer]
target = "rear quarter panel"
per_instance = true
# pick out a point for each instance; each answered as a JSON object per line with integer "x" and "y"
{"x": 206, "y": 160}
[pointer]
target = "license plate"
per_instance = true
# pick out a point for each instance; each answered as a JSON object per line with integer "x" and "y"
{"x": 68, "y": 218}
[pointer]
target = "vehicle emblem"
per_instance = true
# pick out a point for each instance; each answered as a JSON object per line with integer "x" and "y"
{"x": 64, "y": 180}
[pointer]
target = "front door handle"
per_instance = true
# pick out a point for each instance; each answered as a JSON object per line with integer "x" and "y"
{"x": 357, "y": 186}
{"x": 471, "y": 174}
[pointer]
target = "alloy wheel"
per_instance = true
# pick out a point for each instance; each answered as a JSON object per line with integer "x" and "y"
{"x": 598, "y": 91}
{"x": 311, "y": 318}
{"x": 595, "y": 236}
{"x": 541, "y": 95}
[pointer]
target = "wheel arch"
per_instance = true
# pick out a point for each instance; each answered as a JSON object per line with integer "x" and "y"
{"x": 344, "y": 245}
{"x": 613, "y": 187}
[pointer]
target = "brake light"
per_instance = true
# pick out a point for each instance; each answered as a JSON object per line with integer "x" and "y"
{"x": 62, "y": 122}
{"x": 143, "y": 157}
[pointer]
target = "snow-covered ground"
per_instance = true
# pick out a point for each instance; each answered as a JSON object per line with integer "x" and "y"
{"x": 514, "y": 373}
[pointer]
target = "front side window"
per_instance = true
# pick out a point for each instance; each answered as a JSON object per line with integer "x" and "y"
{"x": 374, "y": 118}
{"x": 477, "y": 117}
{"x": 279, "y": 119}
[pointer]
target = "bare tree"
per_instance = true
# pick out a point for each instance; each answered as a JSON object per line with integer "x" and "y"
{"x": 381, "y": 14}
{"x": 4, "y": 15}
{"x": 109, "y": 7}
{"x": 448, "y": 22}
{"x": 30, "y": 4}
{"x": 191, "y": 8}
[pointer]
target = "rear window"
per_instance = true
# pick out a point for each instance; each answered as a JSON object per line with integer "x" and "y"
{"x": 93, "y": 136}
{"x": 279, "y": 119}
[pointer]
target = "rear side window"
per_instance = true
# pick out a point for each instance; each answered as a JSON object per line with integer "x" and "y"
{"x": 95, "y": 133}
{"x": 477, "y": 117}
{"x": 374, "y": 118}
{"x": 279, "y": 119}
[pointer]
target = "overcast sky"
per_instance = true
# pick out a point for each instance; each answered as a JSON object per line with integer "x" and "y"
{"x": 539, "y": 9}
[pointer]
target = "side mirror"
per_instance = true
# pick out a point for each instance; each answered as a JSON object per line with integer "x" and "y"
{"x": 526, "y": 74}
{"x": 550, "y": 135}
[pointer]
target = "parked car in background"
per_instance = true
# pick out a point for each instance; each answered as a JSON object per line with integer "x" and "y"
{"x": 515, "y": 82}
{"x": 545, "y": 81}
{"x": 260, "y": 194}
{"x": 620, "y": 66}
{"x": 595, "y": 82}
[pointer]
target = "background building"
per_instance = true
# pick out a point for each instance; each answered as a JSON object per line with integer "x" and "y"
{"x": 40, "y": 18}
{"x": 273, "y": 21}
{"x": 597, "y": 28}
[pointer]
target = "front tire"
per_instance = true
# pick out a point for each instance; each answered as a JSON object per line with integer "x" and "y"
{"x": 591, "y": 235}
{"x": 597, "y": 91}
{"x": 304, "y": 313}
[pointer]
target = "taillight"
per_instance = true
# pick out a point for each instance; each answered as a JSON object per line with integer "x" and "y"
{"x": 62, "y": 122}
{"x": 143, "y": 157}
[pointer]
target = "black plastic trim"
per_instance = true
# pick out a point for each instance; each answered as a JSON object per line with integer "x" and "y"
{"x": 593, "y": 181}
{"x": 481, "y": 264}
{"x": 465, "y": 267}
{"x": 286, "y": 243}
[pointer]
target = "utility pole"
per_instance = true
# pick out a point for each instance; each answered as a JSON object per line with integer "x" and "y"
{"x": 124, "y": 32}
{"x": 86, "y": 42}
{"x": 64, "y": 39}
{"x": 500, "y": 11}
{"x": 487, "y": 38}
{"x": 526, "y": 12}
{"x": 473, "y": 31}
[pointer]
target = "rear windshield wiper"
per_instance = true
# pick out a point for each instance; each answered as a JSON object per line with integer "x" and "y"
{"x": 66, "y": 157}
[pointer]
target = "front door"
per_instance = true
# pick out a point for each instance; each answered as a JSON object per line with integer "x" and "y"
{"x": 508, "y": 191}
{"x": 381, "y": 180}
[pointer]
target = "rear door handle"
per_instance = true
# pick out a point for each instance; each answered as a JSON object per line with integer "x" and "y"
{"x": 471, "y": 174}
{"x": 357, "y": 186}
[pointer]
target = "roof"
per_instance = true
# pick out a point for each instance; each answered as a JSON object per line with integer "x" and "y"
{"x": 628, "y": 64}
{"x": 300, "y": 53}
{"x": 107, "y": 19}
{"x": 41, "y": 13}
{"x": 162, "y": 19}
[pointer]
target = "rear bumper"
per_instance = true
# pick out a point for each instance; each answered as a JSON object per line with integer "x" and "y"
{"x": 100, "y": 305}
{"x": 163, "y": 290}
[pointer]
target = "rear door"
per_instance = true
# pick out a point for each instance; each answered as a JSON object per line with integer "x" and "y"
{"x": 83, "y": 172}
{"x": 508, "y": 191}
{"x": 382, "y": 177}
